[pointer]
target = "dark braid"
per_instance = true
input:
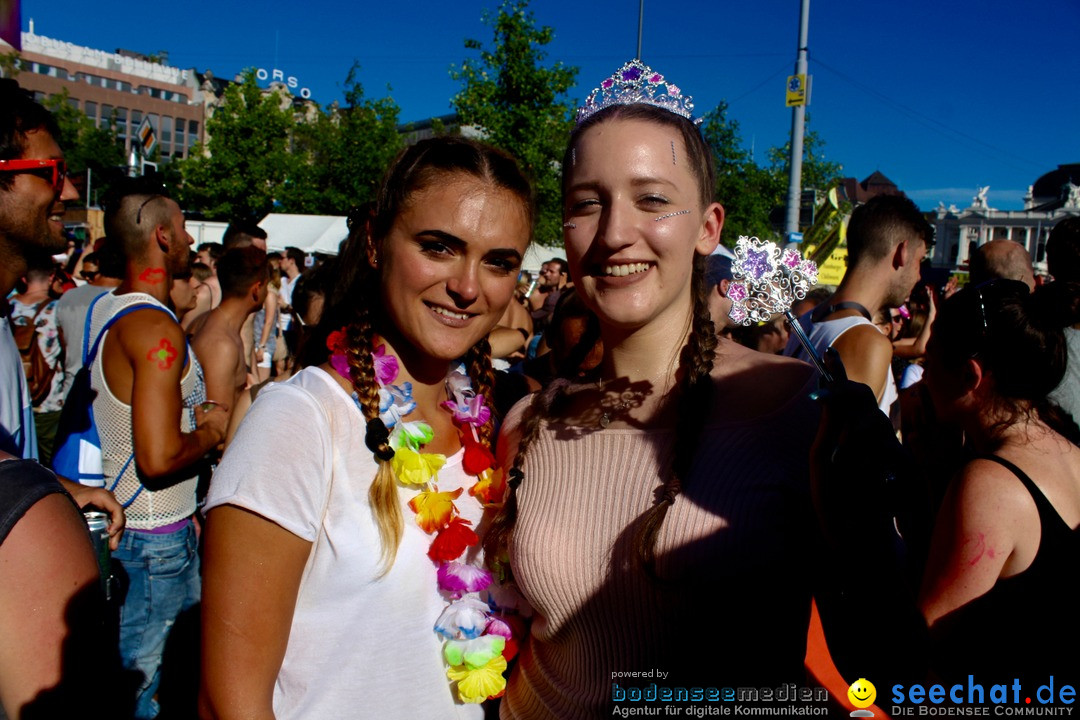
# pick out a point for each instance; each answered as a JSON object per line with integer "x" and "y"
{"x": 694, "y": 402}
{"x": 478, "y": 368}
{"x": 497, "y": 539}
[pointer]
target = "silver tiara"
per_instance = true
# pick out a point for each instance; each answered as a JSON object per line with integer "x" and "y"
{"x": 636, "y": 83}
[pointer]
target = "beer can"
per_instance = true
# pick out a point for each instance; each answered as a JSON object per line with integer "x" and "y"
{"x": 98, "y": 523}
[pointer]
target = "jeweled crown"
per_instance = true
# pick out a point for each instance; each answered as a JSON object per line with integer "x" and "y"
{"x": 636, "y": 83}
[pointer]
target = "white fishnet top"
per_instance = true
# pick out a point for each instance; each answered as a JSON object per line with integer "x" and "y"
{"x": 148, "y": 509}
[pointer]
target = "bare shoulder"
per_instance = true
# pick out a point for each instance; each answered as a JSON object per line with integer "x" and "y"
{"x": 758, "y": 383}
{"x": 985, "y": 493}
{"x": 148, "y": 326}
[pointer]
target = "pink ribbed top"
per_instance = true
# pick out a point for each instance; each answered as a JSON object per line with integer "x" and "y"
{"x": 733, "y": 601}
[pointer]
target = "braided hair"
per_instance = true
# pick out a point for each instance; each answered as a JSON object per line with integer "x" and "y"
{"x": 694, "y": 388}
{"x": 353, "y": 303}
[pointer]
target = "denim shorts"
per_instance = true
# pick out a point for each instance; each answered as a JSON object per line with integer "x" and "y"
{"x": 163, "y": 581}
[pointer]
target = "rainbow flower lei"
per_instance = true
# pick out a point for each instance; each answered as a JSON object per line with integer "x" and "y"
{"x": 477, "y": 644}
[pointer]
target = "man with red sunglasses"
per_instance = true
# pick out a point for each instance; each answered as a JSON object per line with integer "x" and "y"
{"x": 50, "y": 599}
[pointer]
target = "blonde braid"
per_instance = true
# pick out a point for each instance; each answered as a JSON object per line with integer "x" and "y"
{"x": 383, "y": 494}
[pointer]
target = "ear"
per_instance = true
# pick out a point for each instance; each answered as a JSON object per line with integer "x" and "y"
{"x": 723, "y": 286}
{"x": 710, "y": 229}
{"x": 162, "y": 237}
{"x": 973, "y": 378}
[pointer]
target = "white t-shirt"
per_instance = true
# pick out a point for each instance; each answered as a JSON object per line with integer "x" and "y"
{"x": 285, "y": 295}
{"x": 360, "y": 645}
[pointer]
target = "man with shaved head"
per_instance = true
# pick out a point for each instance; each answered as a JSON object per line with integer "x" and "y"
{"x": 1003, "y": 259}
{"x": 156, "y": 425}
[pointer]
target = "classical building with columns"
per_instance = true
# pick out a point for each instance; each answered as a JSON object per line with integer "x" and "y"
{"x": 1053, "y": 197}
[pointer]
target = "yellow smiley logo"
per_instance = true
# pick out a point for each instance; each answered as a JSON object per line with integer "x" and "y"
{"x": 862, "y": 693}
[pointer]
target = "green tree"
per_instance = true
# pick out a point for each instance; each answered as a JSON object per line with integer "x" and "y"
{"x": 745, "y": 190}
{"x": 87, "y": 146}
{"x": 520, "y": 104}
{"x": 817, "y": 172}
{"x": 249, "y": 159}
{"x": 342, "y": 154}
{"x": 9, "y": 64}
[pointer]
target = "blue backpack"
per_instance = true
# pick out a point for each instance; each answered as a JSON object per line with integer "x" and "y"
{"x": 77, "y": 456}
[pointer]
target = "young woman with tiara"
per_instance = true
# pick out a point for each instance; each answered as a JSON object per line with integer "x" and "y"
{"x": 342, "y": 577}
{"x": 658, "y": 517}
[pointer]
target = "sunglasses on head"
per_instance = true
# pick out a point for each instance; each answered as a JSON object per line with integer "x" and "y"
{"x": 53, "y": 171}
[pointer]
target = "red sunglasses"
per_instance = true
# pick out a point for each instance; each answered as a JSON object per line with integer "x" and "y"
{"x": 56, "y": 168}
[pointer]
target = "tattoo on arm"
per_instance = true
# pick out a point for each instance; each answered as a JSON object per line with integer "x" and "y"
{"x": 164, "y": 354}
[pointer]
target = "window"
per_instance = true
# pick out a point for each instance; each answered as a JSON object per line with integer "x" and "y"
{"x": 73, "y": 102}
{"x": 106, "y": 116}
{"x": 181, "y": 138}
{"x": 193, "y": 133}
{"x": 121, "y": 123}
{"x": 90, "y": 108}
{"x": 166, "y": 133}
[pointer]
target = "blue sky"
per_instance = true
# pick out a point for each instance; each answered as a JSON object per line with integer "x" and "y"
{"x": 940, "y": 96}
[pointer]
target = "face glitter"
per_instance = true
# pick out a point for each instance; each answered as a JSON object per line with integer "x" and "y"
{"x": 680, "y": 212}
{"x": 569, "y": 225}
{"x": 672, "y": 152}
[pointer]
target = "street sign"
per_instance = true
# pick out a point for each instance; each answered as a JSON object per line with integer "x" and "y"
{"x": 794, "y": 237}
{"x": 796, "y": 90}
{"x": 147, "y": 136}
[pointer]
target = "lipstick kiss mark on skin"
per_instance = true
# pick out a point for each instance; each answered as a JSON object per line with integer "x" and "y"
{"x": 152, "y": 275}
{"x": 164, "y": 354}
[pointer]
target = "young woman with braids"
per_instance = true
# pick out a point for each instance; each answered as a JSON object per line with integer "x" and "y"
{"x": 1001, "y": 590}
{"x": 323, "y": 586}
{"x": 659, "y": 514}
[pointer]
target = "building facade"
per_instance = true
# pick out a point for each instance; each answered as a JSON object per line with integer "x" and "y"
{"x": 1054, "y": 197}
{"x": 118, "y": 89}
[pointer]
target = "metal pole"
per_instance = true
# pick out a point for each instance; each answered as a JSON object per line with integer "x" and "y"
{"x": 798, "y": 124}
{"x": 640, "y": 23}
{"x": 87, "y": 188}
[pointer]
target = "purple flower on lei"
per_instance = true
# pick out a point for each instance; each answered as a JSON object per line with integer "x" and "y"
{"x": 458, "y": 578}
{"x": 386, "y": 366}
{"x": 465, "y": 405}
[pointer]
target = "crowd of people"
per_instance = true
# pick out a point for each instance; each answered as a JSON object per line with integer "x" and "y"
{"x": 412, "y": 481}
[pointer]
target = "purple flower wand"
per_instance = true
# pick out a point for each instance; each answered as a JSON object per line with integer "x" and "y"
{"x": 767, "y": 282}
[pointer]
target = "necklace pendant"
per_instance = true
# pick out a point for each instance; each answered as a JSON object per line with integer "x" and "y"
{"x": 605, "y": 419}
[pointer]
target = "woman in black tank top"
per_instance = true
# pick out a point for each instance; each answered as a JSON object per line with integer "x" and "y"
{"x": 1001, "y": 592}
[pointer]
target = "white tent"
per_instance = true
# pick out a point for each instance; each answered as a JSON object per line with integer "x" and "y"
{"x": 310, "y": 233}
{"x": 538, "y": 254}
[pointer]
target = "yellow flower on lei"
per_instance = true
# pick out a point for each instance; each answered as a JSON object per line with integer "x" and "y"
{"x": 490, "y": 487}
{"x": 413, "y": 468}
{"x": 434, "y": 509}
{"x": 478, "y": 684}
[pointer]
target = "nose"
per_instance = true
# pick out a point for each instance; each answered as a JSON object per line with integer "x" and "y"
{"x": 68, "y": 191}
{"x": 190, "y": 240}
{"x": 614, "y": 228}
{"x": 464, "y": 285}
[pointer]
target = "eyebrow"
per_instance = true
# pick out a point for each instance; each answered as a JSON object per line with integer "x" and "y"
{"x": 459, "y": 244}
{"x": 635, "y": 182}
